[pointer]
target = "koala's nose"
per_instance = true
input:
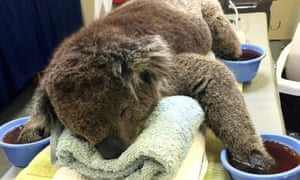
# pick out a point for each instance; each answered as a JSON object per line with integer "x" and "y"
{"x": 111, "y": 147}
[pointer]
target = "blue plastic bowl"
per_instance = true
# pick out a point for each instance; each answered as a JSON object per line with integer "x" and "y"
{"x": 246, "y": 70}
{"x": 20, "y": 154}
{"x": 292, "y": 174}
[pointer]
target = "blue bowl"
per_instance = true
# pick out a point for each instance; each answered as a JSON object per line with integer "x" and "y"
{"x": 20, "y": 154}
{"x": 292, "y": 174}
{"x": 246, "y": 70}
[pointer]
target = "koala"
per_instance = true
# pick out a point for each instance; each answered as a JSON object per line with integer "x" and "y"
{"x": 104, "y": 80}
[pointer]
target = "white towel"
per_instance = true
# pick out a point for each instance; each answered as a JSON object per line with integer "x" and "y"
{"x": 156, "y": 154}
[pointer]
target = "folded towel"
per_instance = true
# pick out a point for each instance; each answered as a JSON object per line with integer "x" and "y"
{"x": 214, "y": 171}
{"x": 156, "y": 154}
{"x": 40, "y": 168}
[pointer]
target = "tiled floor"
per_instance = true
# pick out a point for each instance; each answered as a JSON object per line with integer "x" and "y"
{"x": 21, "y": 104}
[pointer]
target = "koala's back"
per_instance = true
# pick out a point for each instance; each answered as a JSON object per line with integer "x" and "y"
{"x": 183, "y": 31}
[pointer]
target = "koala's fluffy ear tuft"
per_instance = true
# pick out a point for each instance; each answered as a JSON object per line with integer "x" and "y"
{"x": 145, "y": 59}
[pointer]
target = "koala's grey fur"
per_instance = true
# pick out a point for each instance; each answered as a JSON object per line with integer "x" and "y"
{"x": 104, "y": 80}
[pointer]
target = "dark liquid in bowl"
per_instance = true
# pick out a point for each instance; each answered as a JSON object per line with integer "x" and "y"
{"x": 285, "y": 157}
{"x": 12, "y": 136}
{"x": 248, "y": 54}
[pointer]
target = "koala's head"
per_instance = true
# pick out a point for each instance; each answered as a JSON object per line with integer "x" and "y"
{"x": 107, "y": 87}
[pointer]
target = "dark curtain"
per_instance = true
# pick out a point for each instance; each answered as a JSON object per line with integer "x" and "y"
{"x": 30, "y": 30}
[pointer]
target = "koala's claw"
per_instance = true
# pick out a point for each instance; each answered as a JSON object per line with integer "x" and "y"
{"x": 256, "y": 163}
{"x": 29, "y": 134}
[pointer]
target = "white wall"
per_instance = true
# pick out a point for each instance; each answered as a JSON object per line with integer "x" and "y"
{"x": 87, "y": 8}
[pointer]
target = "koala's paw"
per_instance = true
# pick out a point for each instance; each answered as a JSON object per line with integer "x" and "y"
{"x": 33, "y": 132}
{"x": 258, "y": 163}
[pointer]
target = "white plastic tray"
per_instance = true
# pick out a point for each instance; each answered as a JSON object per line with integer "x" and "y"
{"x": 284, "y": 85}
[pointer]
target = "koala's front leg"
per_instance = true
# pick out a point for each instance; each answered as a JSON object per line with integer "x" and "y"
{"x": 213, "y": 85}
{"x": 225, "y": 41}
{"x": 38, "y": 126}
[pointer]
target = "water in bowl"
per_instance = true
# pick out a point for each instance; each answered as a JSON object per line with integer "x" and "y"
{"x": 285, "y": 157}
{"x": 249, "y": 54}
{"x": 12, "y": 136}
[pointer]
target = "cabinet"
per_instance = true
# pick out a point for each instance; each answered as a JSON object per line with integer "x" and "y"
{"x": 283, "y": 17}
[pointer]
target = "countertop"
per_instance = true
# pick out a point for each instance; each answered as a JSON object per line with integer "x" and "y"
{"x": 261, "y": 94}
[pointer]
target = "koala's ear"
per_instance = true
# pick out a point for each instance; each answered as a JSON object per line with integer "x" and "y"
{"x": 144, "y": 59}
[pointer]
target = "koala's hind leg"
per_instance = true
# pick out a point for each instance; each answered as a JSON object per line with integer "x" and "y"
{"x": 42, "y": 114}
{"x": 213, "y": 85}
{"x": 225, "y": 41}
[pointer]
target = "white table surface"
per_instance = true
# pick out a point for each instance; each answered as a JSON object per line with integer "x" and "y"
{"x": 261, "y": 94}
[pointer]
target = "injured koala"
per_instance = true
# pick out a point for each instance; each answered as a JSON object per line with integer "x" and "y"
{"x": 104, "y": 80}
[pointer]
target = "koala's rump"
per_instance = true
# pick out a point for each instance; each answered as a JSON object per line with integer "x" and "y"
{"x": 183, "y": 31}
